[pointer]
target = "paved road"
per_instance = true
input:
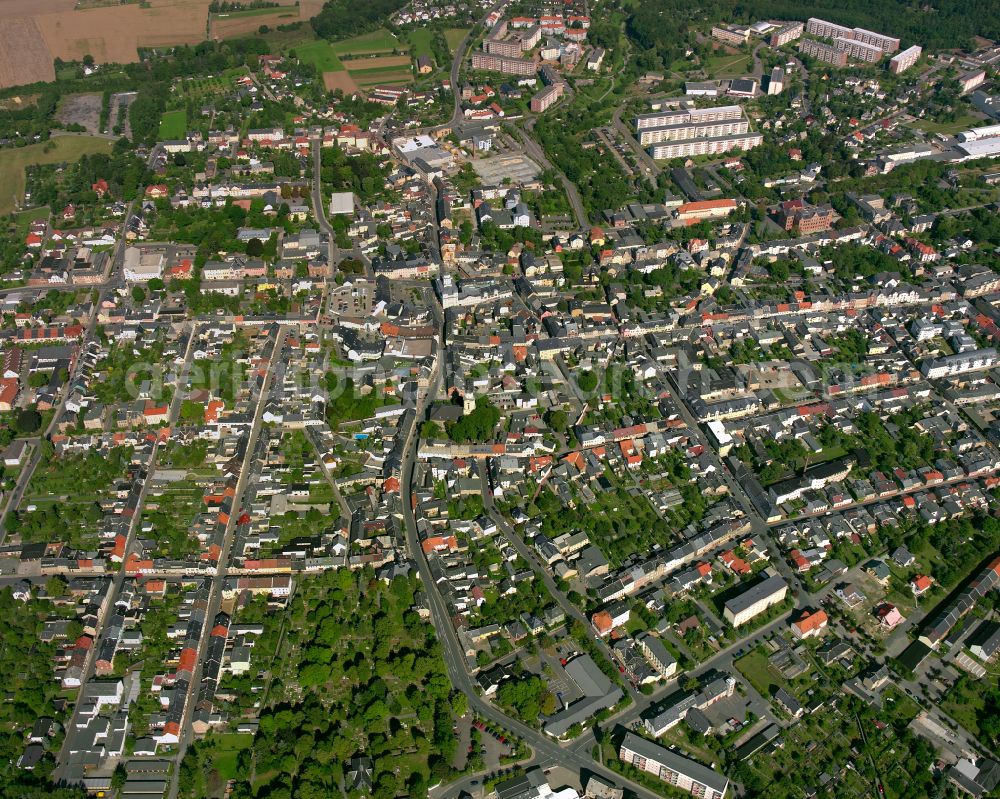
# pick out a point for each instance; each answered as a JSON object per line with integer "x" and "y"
{"x": 529, "y": 555}
{"x": 215, "y": 591}
{"x": 113, "y": 279}
{"x": 119, "y": 578}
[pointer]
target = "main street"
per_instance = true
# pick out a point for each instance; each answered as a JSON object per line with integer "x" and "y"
{"x": 215, "y": 591}
{"x": 545, "y": 749}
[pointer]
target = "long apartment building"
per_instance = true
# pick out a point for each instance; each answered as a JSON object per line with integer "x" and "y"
{"x": 824, "y": 52}
{"x": 509, "y": 48}
{"x": 904, "y": 60}
{"x": 861, "y": 36}
{"x": 755, "y": 600}
{"x": 858, "y": 50}
{"x": 546, "y": 97}
{"x": 674, "y": 769}
{"x": 497, "y": 63}
{"x": 787, "y": 33}
{"x": 698, "y": 131}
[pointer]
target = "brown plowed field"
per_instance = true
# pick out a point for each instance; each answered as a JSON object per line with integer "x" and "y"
{"x": 340, "y": 80}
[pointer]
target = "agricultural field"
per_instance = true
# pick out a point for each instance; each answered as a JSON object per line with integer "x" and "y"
{"x": 240, "y": 23}
{"x": 381, "y": 77}
{"x": 321, "y": 54}
{"x": 363, "y": 61}
{"x": 380, "y": 41}
{"x": 36, "y": 32}
{"x": 339, "y": 80}
{"x": 57, "y": 150}
{"x": 25, "y": 56}
{"x": 173, "y": 124}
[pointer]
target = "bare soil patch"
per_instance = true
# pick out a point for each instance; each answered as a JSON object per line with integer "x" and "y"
{"x": 378, "y": 62}
{"x": 81, "y": 109}
{"x": 339, "y": 80}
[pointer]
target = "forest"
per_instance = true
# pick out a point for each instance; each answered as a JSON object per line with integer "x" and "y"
{"x": 341, "y": 19}
{"x": 660, "y": 28}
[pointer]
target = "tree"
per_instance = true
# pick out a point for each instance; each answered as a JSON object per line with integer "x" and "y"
{"x": 557, "y": 419}
{"x": 138, "y": 294}
{"x": 587, "y": 381}
{"x": 28, "y": 421}
{"x": 255, "y": 247}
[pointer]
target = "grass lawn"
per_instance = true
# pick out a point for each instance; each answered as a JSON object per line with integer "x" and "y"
{"x": 966, "y": 700}
{"x": 454, "y": 36}
{"x": 964, "y": 121}
{"x": 229, "y": 747}
{"x": 379, "y": 41}
{"x": 420, "y": 41}
{"x": 23, "y": 219}
{"x": 759, "y": 674}
{"x": 725, "y": 66}
{"x": 173, "y": 124}
{"x": 321, "y": 54}
{"x": 56, "y": 150}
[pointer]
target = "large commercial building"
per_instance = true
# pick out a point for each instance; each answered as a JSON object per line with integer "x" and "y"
{"x": 904, "y": 60}
{"x": 696, "y": 131}
{"x": 143, "y": 265}
{"x": 510, "y": 66}
{"x": 821, "y": 51}
{"x": 755, "y": 600}
{"x": 681, "y": 772}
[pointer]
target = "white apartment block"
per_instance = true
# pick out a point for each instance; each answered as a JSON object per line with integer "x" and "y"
{"x": 695, "y": 131}
{"x": 828, "y": 30}
{"x": 706, "y": 146}
{"x": 904, "y": 60}
{"x": 755, "y": 600}
{"x": 692, "y": 116}
{"x": 681, "y": 772}
{"x": 786, "y": 34}
{"x": 887, "y": 44}
{"x": 859, "y": 51}
{"x": 683, "y": 131}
